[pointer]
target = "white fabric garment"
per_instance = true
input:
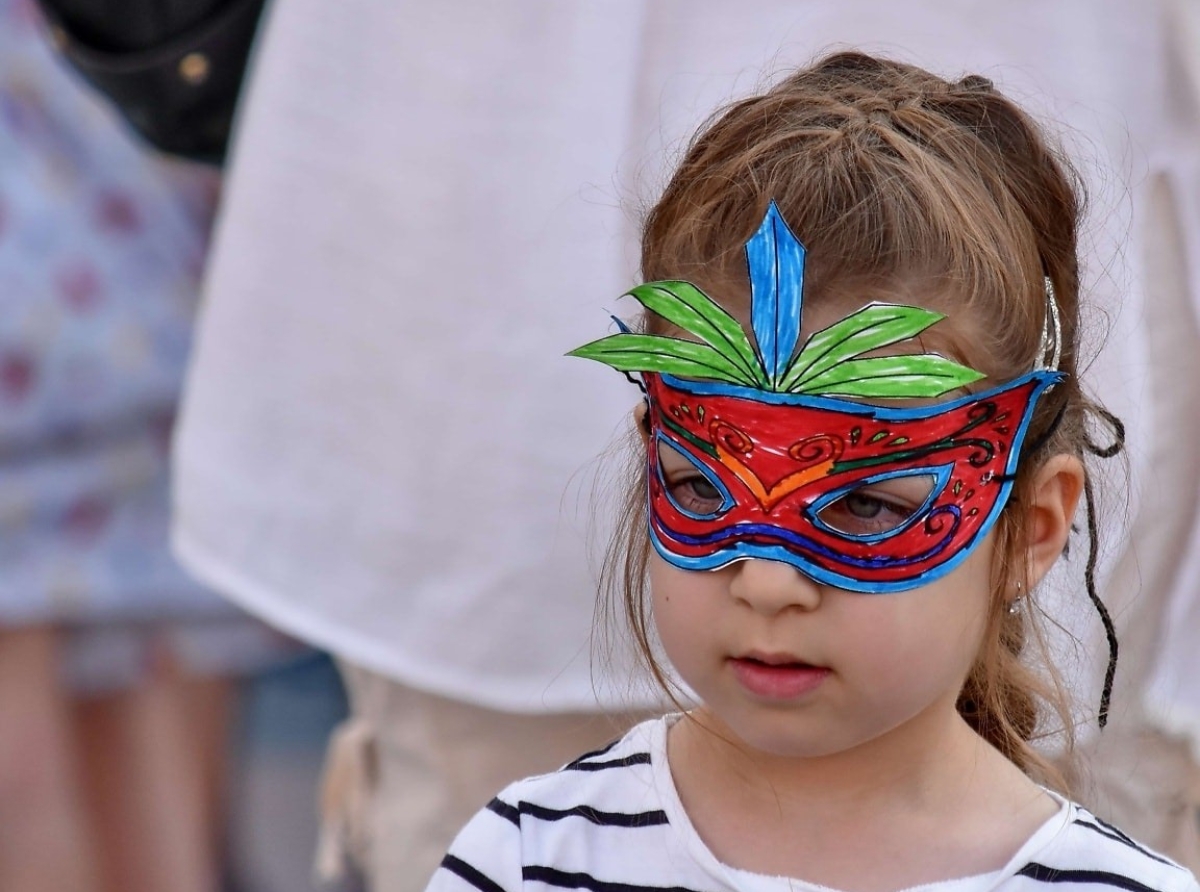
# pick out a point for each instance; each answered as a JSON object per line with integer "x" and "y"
{"x": 382, "y": 449}
{"x": 613, "y": 820}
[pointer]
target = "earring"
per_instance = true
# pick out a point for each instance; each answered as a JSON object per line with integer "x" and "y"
{"x": 1014, "y": 606}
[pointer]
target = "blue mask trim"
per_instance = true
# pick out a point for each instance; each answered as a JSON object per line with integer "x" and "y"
{"x": 821, "y": 574}
{"x": 1045, "y": 380}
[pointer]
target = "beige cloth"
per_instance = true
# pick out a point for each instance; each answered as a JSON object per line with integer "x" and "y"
{"x": 407, "y": 770}
{"x": 1146, "y": 782}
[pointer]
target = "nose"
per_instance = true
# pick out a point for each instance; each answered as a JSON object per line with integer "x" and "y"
{"x": 769, "y": 587}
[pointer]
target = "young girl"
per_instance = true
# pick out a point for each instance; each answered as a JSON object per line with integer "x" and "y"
{"x": 864, "y": 438}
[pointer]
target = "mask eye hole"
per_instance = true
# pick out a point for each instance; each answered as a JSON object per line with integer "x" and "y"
{"x": 880, "y": 506}
{"x": 691, "y": 487}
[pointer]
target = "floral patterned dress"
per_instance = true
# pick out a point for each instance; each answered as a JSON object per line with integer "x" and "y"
{"x": 102, "y": 244}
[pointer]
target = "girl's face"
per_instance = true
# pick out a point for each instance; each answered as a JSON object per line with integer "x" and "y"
{"x": 796, "y": 668}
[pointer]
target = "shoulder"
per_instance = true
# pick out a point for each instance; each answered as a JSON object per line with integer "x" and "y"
{"x": 1089, "y": 851}
{"x": 613, "y": 786}
{"x": 601, "y": 809}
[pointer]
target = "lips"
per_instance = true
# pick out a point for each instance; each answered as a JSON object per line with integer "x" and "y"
{"x": 777, "y": 676}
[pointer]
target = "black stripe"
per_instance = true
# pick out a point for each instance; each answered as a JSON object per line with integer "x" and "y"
{"x": 506, "y": 811}
{"x": 462, "y": 869}
{"x": 564, "y": 880}
{"x": 1117, "y": 836}
{"x": 602, "y": 818}
{"x": 594, "y": 753}
{"x": 635, "y": 759}
{"x": 1132, "y": 842}
{"x": 1044, "y": 874}
{"x": 1109, "y": 827}
{"x": 512, "y": 813}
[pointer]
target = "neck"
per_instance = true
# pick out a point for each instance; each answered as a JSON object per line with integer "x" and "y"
{"x": 931, "y": 800}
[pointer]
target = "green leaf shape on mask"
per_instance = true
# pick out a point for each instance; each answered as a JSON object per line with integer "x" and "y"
{"x": 908, "y": 376}
{"x": 871, "y": 328}
{"x": 684, "y": 305}
{"x": 673, "y": 356}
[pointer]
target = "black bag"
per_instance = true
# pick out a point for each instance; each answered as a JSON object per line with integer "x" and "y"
{"x": 173, "y": 67}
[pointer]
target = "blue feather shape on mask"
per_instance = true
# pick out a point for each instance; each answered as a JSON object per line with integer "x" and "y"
{"x": 776, "y": 261}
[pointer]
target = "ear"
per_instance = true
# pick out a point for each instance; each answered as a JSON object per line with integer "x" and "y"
{"x": 1055, "y": 496}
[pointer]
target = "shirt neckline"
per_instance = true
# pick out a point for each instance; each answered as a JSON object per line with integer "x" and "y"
{"x": 685, "y": 838}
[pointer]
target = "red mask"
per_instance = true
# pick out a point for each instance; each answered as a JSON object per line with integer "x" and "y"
{"x": 867, "y": 498}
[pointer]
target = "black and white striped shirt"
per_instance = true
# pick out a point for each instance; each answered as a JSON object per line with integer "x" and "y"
{"x": 611, "y": 821}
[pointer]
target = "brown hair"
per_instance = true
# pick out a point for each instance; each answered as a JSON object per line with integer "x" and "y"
{"x": 893, "y": 176}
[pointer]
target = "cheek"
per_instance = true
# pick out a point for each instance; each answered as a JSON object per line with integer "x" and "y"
{"x": 887, "y": 640}
{"x": 908, "y": 636}
{"x": 683, "y": 603}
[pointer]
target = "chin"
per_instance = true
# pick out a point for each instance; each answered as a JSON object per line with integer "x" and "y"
{"x": 801, "y": 734}
{"x": 783, "y": 736}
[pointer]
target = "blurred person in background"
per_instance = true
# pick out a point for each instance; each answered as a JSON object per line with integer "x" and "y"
{"x": 114, "y": 665}
{"x": 1145, "y": 766}
{"x": 425, "y": 202}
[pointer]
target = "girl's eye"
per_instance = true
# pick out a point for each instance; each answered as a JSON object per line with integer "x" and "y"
{"x": 695, "y": 494}
{"x": 879, "y": 508}
{"x": 864, "y": 507}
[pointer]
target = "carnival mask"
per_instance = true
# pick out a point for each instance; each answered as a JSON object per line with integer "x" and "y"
{"x": 779, "y": 453}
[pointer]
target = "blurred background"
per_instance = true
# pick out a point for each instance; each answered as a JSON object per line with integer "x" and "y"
{"x": 151, "y": 735}
{"x": 369, "y": 210}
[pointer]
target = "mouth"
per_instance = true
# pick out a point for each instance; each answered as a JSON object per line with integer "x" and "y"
{"x": 777, "y": 676}
{"x": 776, "y": 660}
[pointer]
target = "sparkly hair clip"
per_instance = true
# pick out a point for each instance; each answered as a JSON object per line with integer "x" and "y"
{"x": 1051, "y": 345}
